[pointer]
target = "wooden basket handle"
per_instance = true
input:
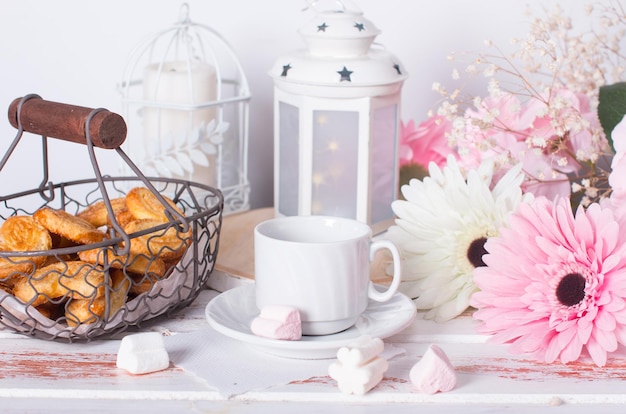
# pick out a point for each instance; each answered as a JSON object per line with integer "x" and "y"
{"x": 58, "y": 120}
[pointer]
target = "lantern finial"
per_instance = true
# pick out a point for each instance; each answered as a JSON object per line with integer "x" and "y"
{"x": 184, "y": 14}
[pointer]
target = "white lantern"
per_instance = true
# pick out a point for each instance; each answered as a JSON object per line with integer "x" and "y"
{"x": 336, "y": 121}
{"x": 185, "y": 99}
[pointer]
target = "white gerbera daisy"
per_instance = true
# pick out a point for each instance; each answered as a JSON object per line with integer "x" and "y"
{"x": 442, "y": 227}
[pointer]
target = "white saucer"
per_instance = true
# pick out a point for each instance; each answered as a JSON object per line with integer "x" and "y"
{"x": 232, "y": 312}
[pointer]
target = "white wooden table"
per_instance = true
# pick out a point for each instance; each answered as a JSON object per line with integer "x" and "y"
{"x": 43, "y": 376}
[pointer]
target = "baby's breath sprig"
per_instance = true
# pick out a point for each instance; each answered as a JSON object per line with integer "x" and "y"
{"x": 541, "y": 105}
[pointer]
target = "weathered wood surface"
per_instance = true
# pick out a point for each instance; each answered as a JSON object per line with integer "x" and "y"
{"x": 42, "y": 376}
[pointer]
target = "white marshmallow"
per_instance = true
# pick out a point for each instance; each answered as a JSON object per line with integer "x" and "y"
{"x": 361, "y": 350}
{"x": 358, "y": 368}
{"x": 143, "y": 353}
{"x": 278, "y": 322}
{"x": 433, "y": 372}
{"x": 358, "y": 380}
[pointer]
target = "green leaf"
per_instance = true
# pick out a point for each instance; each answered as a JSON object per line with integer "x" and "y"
{"x": 611, "y": 107}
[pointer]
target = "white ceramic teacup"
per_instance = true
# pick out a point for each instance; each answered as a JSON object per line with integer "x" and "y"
{"x": 321, "y": 266}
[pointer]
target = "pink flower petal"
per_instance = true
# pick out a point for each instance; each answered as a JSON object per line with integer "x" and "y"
{"x": 605, "y": 321}
{"x": 427, "y": 143}
{"x": 571, "y": 351}
{"x": 519, "y": 301}
{"x": 597, "y": 352}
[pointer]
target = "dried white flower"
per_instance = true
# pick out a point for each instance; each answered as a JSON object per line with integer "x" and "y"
{"x": 554, "y": 56}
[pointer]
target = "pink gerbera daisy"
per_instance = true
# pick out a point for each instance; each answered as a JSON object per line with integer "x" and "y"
{"x": 554, "y": 283}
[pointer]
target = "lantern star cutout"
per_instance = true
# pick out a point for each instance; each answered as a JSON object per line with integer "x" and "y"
{"x": 322, "y": 27}
{"x": 397, "y": 68}
{"x": 359, "y": 26}
{"x": 345, "y": 74}
{"x": 285, "y": 69}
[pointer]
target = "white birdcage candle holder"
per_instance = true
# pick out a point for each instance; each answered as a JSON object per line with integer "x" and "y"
{"x": 185, "y": 98}
{"x": 336, "y": 121}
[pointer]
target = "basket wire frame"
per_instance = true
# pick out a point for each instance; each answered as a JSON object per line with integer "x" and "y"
{"x": 198, "y": 229}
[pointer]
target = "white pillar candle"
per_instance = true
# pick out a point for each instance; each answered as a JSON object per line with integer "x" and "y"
{"x": 183, "y": 83}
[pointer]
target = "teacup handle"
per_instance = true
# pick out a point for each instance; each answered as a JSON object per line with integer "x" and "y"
{"x": 372, "y": 292}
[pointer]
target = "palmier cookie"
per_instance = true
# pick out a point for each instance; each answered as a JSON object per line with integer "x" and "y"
{"x": 77, "y": 279}
{"x": 68, "y": 226}
{"x": 123, "y": 217}
{"x": 14, "y": 267}
{"x": 85, "y": 311}
{"x": 131, "y": 262}
{"x": 143, "y": 204}
{"x": 97, "y": 213}
{"x": 168, "y": 244}
{"x": 20, "y": 234}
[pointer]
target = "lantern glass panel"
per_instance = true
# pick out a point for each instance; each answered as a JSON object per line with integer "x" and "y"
{"x": 383, "y": 162}
{"x": 288, "y": 160}
{"x": 335, "y": 163}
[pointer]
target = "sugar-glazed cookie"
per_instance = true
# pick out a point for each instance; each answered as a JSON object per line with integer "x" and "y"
{"x": 77, "y": 279}
{"x": 167, "y": 244}
{"x": 84, "y": 311}
{"x": 97, "y": 213}
{"x": 133, "y": 263}
{"x": 22, "y": 234}
{"x": 143, "y": 204}
{"x": 68, "y": 226}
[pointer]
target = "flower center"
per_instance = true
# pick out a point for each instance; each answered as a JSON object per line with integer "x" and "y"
{"x": 475, "y": 252}
{"x": 571, "y": 289}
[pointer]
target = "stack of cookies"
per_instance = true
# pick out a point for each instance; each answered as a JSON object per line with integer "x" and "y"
{"x": 68, "y": 268}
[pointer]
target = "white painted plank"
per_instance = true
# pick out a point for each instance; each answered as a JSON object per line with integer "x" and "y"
{"x": 34, "y": 372}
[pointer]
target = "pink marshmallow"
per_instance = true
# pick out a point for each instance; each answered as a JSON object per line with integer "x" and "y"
{"x": 434, "y": 372}
{"x": 278, "y": 322}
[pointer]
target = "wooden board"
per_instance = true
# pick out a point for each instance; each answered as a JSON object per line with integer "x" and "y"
{"x": 236, "y": 250}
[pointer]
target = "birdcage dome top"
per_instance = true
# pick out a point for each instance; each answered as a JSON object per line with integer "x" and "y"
{"x": 185, "y": 46}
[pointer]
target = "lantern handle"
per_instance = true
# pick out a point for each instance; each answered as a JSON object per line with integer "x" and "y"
{"x": 342, "y": 8}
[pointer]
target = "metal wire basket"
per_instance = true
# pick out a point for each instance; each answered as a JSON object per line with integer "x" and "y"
{"x": 77, "y": 291}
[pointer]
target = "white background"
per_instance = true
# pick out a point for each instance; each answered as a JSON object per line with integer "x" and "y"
{"x": 75, "y": 51}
